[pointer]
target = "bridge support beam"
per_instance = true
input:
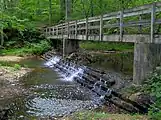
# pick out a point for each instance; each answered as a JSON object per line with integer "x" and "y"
{"x": 147, "y": 56}
{"x": 70, "y": 46}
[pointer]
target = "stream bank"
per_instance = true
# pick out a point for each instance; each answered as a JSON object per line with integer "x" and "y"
{"x": 10, "y": 87}
{"x": 9, "y": 80}
{"x": 10, "y": 75}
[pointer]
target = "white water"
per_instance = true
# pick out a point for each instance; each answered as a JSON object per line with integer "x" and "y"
{"x": 71, "y": 78}
{"x": 52, "y": 61}
{"x": 71, "y": 71}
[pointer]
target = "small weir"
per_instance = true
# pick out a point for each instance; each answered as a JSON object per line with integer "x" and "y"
{"x": 95, "y": 80}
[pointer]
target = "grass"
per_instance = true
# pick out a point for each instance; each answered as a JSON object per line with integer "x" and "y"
{"x": 15, "y": 66}
{"x": 5, "y": 63}
{"x": 90, "y": 115}
{"x": 107, "y": 46}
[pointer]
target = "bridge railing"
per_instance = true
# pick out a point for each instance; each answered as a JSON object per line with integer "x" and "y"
{"x": 99, "y": 26}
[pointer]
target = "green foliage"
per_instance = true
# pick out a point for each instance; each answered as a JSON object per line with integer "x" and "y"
{"x": 23, "y": 14}
{"x": 106, "y": 46}
{"x": 20, "y": 18}
{"x": 13, "y": 65}
{"x": 153, "y": 87}
{"x": 5, "y": 63}
{"x": 29, "y": 49}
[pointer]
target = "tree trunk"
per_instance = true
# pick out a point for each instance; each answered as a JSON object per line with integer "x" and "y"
{"x": 101, "y": 7}
{"x": 91, "y": 7}
{"x": 68, "y": 9}
{"x": 62, "y": 9}
{"x": 50, "y": 12}
{"x": 2, "y": 9}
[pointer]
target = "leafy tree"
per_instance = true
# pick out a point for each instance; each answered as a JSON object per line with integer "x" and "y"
{"x": 25, "y": 15}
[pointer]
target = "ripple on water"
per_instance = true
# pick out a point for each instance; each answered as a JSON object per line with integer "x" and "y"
{"x": 56, "y": 107}
{"x": 59, "y": 100}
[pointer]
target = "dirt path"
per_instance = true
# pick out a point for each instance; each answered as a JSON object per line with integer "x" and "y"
{"x": 11, "y": 58}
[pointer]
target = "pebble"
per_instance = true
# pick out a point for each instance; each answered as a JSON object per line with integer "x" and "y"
{"x": 21, "y": 116}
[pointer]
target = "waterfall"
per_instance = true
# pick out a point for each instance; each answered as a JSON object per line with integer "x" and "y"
{"x": 81, "y": 74}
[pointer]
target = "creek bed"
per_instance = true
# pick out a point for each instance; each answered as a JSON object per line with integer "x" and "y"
{"x": 50, "y": 96}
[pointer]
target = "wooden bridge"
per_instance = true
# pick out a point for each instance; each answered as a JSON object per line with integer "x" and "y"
{"x": 139, "y": 25}
{"x": 98, "y": 28}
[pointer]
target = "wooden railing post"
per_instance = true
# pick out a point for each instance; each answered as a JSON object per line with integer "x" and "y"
{"x": 64, "y": 46}
{"x": 68, "y": 32}
{"x": 76, "y": 28}
{"x": 152, "y": 21}
{"x": 140, "y": 26}
{"x": 62, "y": 31}
{"x": 46, "y": 32}
{"x": 121, "y": 25}
{"x": 49, "y": 31}
{"x": 101, "y": 27}
{"x": 57, "y": 30}
{"x": 86, "y": 28}
{"x": 53, "y": 31}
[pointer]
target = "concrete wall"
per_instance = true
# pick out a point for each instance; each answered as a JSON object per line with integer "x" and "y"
{"x": 147, "y": 57}
{"x": 70, "y": 46}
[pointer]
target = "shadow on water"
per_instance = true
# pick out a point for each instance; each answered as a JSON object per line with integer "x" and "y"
{"x": 117, "y": 62}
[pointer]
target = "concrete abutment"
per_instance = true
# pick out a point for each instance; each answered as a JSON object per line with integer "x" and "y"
{"x": 147, "y": 56}
{"x": 70, "y": 46}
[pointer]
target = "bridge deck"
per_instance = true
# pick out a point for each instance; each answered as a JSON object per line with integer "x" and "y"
{"x": 114, "y": 26}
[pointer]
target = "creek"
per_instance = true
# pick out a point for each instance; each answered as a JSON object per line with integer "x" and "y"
{"x": 50, "y": 95}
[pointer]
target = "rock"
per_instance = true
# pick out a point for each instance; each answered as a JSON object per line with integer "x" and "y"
{"x": 1, "y": 73}
{"x": 158, "y": 69}
{"x": 4, "y": 113}
{"x": 142, "y": 99}
{"x": 82, "y": 57}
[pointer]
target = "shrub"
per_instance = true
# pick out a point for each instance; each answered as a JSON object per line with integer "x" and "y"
{"x": 153, "y": 87}
{"x": 30, "y": 49}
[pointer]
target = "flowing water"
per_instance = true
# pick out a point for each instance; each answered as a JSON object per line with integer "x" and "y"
{"x": 52, "y": 92}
